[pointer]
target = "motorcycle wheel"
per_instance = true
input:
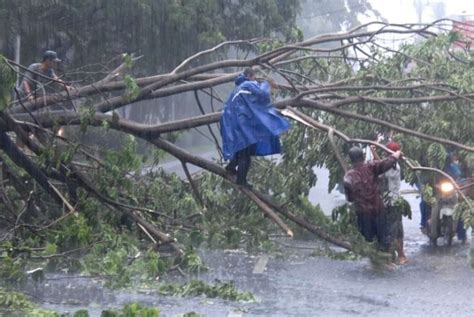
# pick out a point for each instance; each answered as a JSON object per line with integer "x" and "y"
{"x": 434, "y": 233}
{"x": 449, "y": 230}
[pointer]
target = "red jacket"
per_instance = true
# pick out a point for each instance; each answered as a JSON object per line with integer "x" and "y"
{"x": 361, "y": 185}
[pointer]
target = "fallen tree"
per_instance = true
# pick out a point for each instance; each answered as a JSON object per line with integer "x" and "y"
{"x": 332, "y": 86}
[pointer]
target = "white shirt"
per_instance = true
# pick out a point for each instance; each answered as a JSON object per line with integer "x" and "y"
{"x": 393, "y": 177}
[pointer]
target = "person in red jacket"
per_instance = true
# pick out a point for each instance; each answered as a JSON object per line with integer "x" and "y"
{"x": 362, "y": 188}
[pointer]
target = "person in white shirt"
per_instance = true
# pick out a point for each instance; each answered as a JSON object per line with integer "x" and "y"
{"x": 392, "y": 181}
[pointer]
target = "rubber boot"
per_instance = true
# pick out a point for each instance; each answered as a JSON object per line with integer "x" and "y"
{"x": 243, "y": 169}
{"x": 231, "y": 167}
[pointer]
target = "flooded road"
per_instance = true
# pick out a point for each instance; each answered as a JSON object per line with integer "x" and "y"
{"x": 436, "y": 281}
{"x": 433, "y": 283}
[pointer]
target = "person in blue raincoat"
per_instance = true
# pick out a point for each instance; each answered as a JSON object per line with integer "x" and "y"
{"x": 250, "y": 126}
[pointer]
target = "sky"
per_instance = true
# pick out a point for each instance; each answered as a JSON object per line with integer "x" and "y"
{"x": 404, "y": 11}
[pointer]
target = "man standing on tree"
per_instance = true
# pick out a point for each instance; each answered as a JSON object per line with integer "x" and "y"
{"x": 250, "y": 126}
{"x": 40, "y": 78}
{"x": 361, "y": 188}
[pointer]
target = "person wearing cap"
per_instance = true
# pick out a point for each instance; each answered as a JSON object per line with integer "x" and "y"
{"x": 250, "y": 125}
{"x": 362, "y": 189}
{"x": 391, "y": 183}
{"x": 40, "y": 78}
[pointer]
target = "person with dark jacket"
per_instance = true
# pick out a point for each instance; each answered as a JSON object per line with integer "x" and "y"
{"x": 250, "y": 125}
{"x": 455, "y": 170}
{"x": 362, "y": 188}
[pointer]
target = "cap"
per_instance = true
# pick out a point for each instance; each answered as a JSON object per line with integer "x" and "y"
{"x": 393, "y": 146}
{"x": 51, "y": 55}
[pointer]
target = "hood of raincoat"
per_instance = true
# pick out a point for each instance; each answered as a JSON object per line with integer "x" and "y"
{"x": 240, "y": 79}
{"x": 249, "y": 118}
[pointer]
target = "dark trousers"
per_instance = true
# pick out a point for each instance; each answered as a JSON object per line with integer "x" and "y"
{"x": 461, "y": 232}
{"x": 241, "y": 161}
{"x": 374, "y": 226}
{"x": 425, "y": 213}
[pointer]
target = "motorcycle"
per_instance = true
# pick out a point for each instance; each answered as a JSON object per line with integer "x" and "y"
{"x": 443, "y": 221}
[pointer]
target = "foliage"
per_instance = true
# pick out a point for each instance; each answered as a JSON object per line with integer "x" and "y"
{"x": 436, "y": 155}
{"x": 191, "y": 314}
{"x": 15, "y": 304}
{"x": 192, "y": 262}
{"x": 434, "y": 119}
{"x": 345, "y": 216}
{"x": 471, "y": 256}
{"x": 132, "y": 310}
{"x": 231, "y": 220}
{"x": 7, "y": 82}
{"x": 326, "y": 251}
{"x": 107, "y": 244}
{"x": 197, "y": 288}
{"x": 132, "y": 89}
{"x": 122, "y": 263}
{"x": 428, "y": 195}
{"x": 463, "y": 210}
{"x": 12, "y": 268}
{"x": 117, "y": 165}
{"x": 75, "y": 234}
{"x": 81, "y": 313}
{"x": 402, "y": 206}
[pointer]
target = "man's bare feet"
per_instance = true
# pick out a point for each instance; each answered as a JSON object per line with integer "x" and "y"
{"x": 390, "y": 267}
{"x": 402, "y": 260}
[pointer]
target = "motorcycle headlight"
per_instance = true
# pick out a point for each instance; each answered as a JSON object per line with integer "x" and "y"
{"x": 447, "y": 187}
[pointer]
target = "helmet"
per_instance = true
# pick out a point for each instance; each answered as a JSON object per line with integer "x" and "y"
{"x": 356, "y": 154}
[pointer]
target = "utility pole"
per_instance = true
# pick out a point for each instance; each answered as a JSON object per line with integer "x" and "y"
{"x": 17, "y": 56}
{"x": 419, "y": 9}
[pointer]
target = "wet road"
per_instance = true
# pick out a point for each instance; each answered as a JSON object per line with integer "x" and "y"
{"x": 434, "y": 282}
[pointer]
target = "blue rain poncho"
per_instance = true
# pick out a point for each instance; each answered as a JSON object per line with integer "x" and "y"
{"x": 249, "y": 118}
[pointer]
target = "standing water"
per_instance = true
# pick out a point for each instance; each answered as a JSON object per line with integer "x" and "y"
{"x": 436, "y": 281}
